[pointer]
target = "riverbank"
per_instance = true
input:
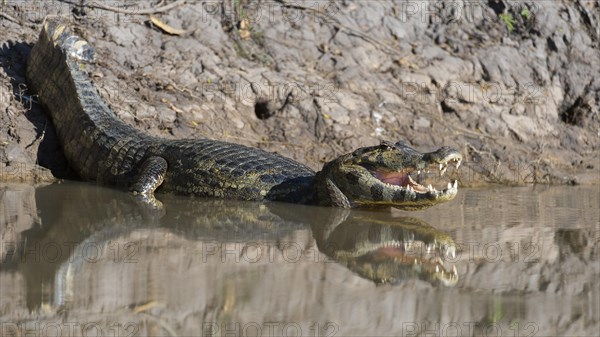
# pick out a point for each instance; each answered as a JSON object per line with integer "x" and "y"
{"x": 513, "y": 85}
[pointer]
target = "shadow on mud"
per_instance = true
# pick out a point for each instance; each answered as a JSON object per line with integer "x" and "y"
{"x": 13, "y": 59}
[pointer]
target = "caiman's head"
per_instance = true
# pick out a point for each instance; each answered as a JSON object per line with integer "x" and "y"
{"x": 386, "y": 175}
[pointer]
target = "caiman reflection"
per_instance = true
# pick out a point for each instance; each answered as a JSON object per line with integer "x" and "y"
{"x": 373, "y": 245}
{"x": 388, "y": 249}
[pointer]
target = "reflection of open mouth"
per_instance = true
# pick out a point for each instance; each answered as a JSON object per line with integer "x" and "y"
{"x": 422, "y": 258}
{"x": 403, "y": 179}
{"x": 427, "y": 263}
{"x": 412, "y": 246}
{"x": 388, "y": 249}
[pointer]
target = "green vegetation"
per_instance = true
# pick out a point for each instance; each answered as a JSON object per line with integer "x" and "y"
{"x": 238, "y": 8}
{"x": 509, "y": 20}
{"x": 496, "y": 313}
{"x": 526, "y": 14}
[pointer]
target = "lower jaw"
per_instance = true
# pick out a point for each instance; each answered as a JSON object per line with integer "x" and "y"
{"x": 404, "y": 181}
{"x": 409, "y": 200}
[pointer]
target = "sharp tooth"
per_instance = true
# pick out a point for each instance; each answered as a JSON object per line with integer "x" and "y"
{"x": 437, "y": 269}
{"x": 454, "y": 271}
{"x": 441, "y": 166}
{"x": 457, "y": 164}
{"x": 430, "y": 188}
{"x": 455, "y": 186}
{"x": 449, "y": 186}
{"x": 444, "y": 170}
{"x": 452, "y": 252}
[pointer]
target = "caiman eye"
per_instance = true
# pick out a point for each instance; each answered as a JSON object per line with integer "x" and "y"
{"x": 387, "y": 145}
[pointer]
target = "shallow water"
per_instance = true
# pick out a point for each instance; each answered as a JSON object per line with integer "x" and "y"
{"x": 78, "y": 259}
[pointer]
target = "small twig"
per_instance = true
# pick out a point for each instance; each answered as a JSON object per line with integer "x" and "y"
{"x": 185, "y": 90}
{"x": 143, "y": 11}
{"x": 162, "y": 322}
{"x": 8, "y": 17}
{"x": 38, "y": 139}
{"x": 342, "y": 27}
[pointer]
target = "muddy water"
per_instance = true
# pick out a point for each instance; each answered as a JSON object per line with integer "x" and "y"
{"x": 77, "y": 259}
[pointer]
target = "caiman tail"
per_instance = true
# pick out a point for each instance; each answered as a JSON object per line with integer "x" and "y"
{"x": 88, "y": 130}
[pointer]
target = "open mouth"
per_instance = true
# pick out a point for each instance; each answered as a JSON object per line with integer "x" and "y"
{"x": 411, "y": 178}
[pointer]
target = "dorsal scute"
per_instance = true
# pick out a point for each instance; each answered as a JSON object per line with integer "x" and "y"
{"x": 72, "y": 45}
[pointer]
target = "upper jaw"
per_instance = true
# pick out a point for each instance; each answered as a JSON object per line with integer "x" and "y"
{"x": 407, "y": 179}
{"x": 442, "y": 162}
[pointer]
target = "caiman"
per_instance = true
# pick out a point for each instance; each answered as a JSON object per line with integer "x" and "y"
{"x": 102, "y": 148}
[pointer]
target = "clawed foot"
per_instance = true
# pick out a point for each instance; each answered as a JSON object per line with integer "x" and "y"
{"x": 153, "y": 208}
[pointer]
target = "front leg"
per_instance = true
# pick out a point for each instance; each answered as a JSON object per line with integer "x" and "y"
{"x": 151, "y": 175}
{"x": 330, "y": 195}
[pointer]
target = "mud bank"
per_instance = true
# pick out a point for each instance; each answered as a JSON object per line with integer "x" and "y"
{"x": 513, "y": 85}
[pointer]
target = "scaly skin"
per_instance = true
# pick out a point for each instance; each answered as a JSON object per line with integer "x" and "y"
{"x": 102, "y": 148}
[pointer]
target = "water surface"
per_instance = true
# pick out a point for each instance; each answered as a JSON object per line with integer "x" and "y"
{"x": 79, "y": 259}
